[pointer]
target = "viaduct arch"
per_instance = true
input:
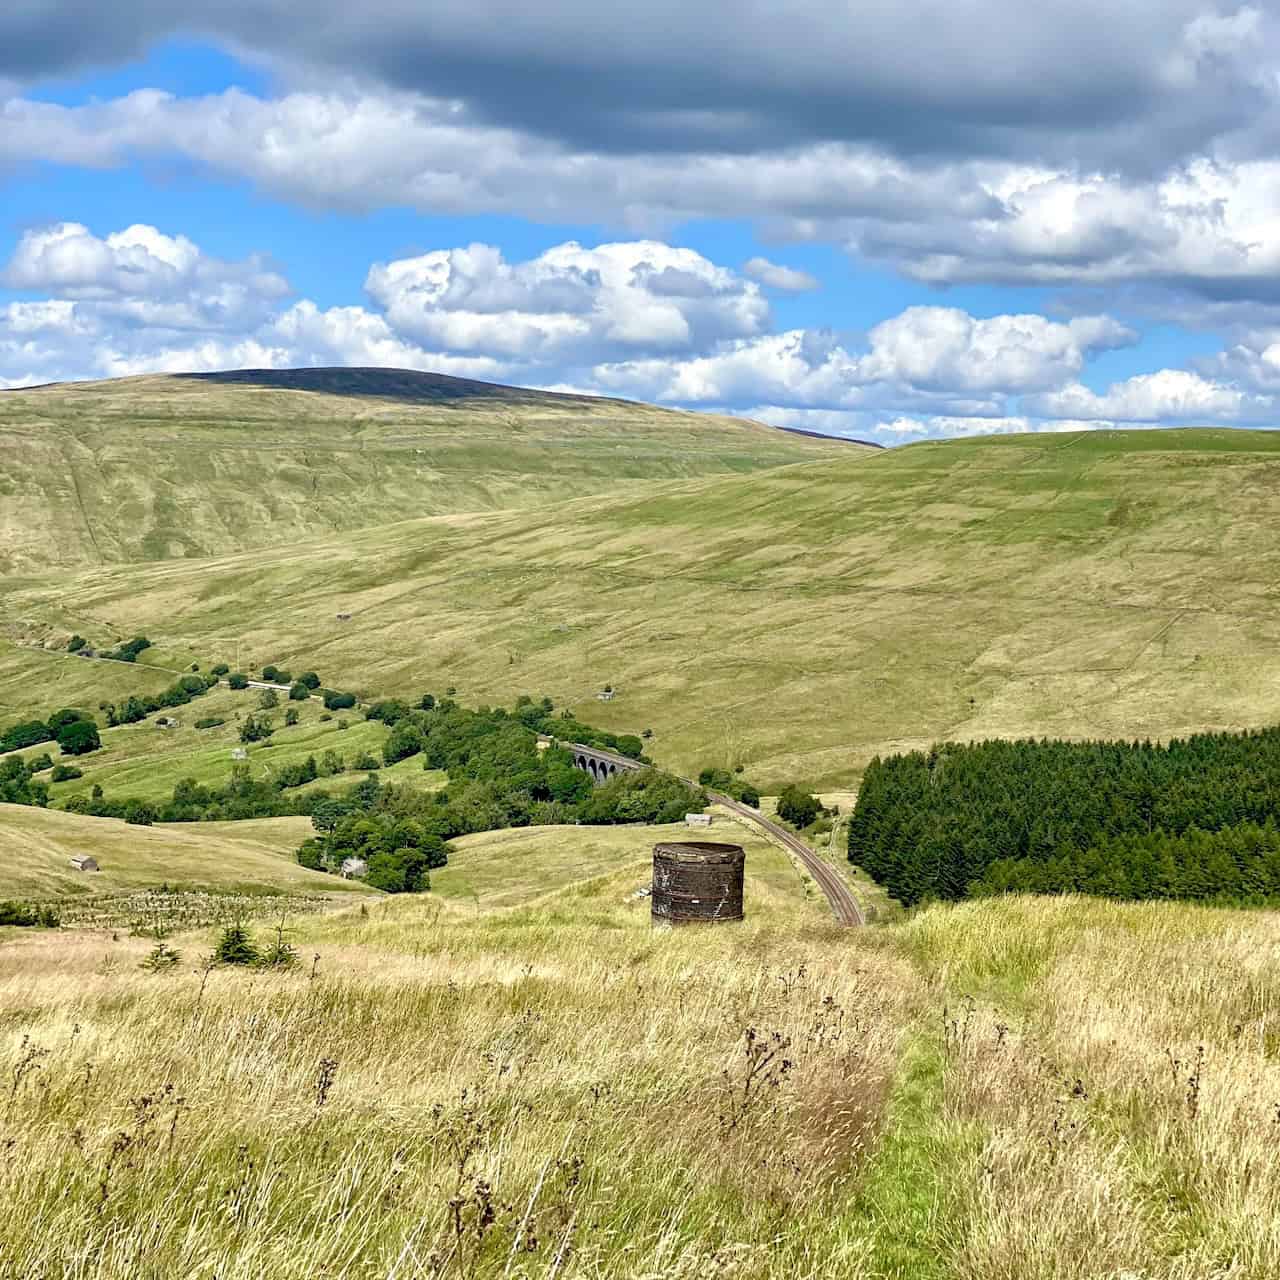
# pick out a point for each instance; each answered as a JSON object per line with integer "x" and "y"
{"x": 601, "y": 765}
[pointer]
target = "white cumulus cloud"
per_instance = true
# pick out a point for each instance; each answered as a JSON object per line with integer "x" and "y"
{"x": 143, "y": 275}
{"x": 570, "y": 304}
{"x": 1170, "y": 395}
{"x": 638, "y": 318}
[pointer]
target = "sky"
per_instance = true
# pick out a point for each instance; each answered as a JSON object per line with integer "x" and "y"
{"x": 886, "y": 219}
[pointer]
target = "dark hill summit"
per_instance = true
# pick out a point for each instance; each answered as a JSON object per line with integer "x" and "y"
{"x": 412, "y": 386}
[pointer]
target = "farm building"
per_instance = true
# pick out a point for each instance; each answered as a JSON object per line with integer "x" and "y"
{"x": 354, "y": 868}
{"x": 83, "y": 862}
{"x": 697, "y": 819}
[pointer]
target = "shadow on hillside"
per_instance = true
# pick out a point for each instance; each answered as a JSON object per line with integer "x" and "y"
{"x": 391, "y": 384}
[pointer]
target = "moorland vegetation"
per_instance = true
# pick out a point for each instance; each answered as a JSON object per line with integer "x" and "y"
{"x": 513, "y": 1076}
{"x": 799, "y": 620}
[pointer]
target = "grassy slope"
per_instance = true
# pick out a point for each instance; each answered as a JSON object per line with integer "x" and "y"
{"x": 503, "y": 868}
{"x": 35, "y": 683}
{"x": 36, "y": 845}
{"x": 803, "y": 619}
{"x": 1004, "y": 1089}
{"x": 157, "y": 466}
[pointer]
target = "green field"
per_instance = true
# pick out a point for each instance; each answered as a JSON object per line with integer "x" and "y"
{"x": 505, "y": 868}
{"x": 490, "y": 870}
{"x": 158, "y": 466}
{"x": 141, "y": 760}
{"x": 798, "y": 620}
{"x": 36, "y": 846}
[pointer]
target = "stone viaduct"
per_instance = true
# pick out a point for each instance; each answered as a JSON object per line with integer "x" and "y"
{"x": 599, "y": 763}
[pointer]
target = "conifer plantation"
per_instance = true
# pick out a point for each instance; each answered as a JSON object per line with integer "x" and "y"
{"x": 1192, "y": 819}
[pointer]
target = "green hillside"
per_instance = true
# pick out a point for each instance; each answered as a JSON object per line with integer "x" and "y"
{"x": 799, "y": 620}
{"x": 163, "y": 466}
{"x": 36, "y": 846}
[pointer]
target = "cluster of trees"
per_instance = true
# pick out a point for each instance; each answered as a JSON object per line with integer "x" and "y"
{"x": 18, "y": 784}
{"x": 799, "y": 808}
{"x": 242, "y": 796}
{"x": 309, "y": 680}
{"x": 74, "y": 731}
{"x": 732, "y": 785}
{"x": 534, "y": 715}
{"x": 139, "y": 706}
{"x": 960, "y": 819}
{"x": 499, "y": 776}
{"x": 26, "y": 915}
{"x": 127, "y": 652}
{"x": 400, "y": 851}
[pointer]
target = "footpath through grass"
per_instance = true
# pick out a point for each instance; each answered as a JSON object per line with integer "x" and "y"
{"x": 481, "y": 1083}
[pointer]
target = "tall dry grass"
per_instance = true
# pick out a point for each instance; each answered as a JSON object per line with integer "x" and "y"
{"x": 1014, "y": 1089}
{"x": 1116, "y": 1075}
{"x": 448, "y": 1096}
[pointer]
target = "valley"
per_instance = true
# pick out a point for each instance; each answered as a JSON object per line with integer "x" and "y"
{"x": 799, "y": 620}
{"x": 476, "y": 1057}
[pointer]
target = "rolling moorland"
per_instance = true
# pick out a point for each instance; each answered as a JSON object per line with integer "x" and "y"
{"x": 190, "y": 465}
{"x": 512, "y": 1075}
{"x": 797, "y": 620}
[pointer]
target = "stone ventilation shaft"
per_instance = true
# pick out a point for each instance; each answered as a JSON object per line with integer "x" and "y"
{"x": 695, "y": 882}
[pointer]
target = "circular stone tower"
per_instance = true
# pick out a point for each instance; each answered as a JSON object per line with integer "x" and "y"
{"x": 697, "y": 883}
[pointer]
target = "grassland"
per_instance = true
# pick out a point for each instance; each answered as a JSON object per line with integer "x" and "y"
{"x": 143, "y": 761}
{"x": 158, "y": 466}
{"x": 34, "y": 683}
{"x": 797, "y": 620}
{"x": 36, "y": 846}
{"x": 505, "y": 868}
{"x": 1017, "y": 1089}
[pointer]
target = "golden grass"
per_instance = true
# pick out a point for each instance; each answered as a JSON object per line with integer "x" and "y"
{"x": 538, "y": 1091}
{"x": 1115, "y": 1075}
{"x": 1014, "y": 1089}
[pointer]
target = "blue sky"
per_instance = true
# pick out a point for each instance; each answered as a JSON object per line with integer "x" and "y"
{"x": 874, "y": 223}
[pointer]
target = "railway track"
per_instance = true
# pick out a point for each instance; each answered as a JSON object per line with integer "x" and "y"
{"x": 844, "y": 906}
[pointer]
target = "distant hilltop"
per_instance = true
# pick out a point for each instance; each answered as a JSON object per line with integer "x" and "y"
{"x": 197, "y": 464}
{"x": 408, "y": 386}
{"x": 822, "y": 435}
{"x": 411, "y": 385}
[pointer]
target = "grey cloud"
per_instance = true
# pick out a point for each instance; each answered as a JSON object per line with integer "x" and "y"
{"x": 1204, "y": 229}
{"x": 776, "y": 276}
{"x": 1131, "y": 84}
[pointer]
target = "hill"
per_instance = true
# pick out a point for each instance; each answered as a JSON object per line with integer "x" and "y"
{"x": 798, "y": 620}
{"x": 36, "y": 846}
{"x": 196, "y": 464}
